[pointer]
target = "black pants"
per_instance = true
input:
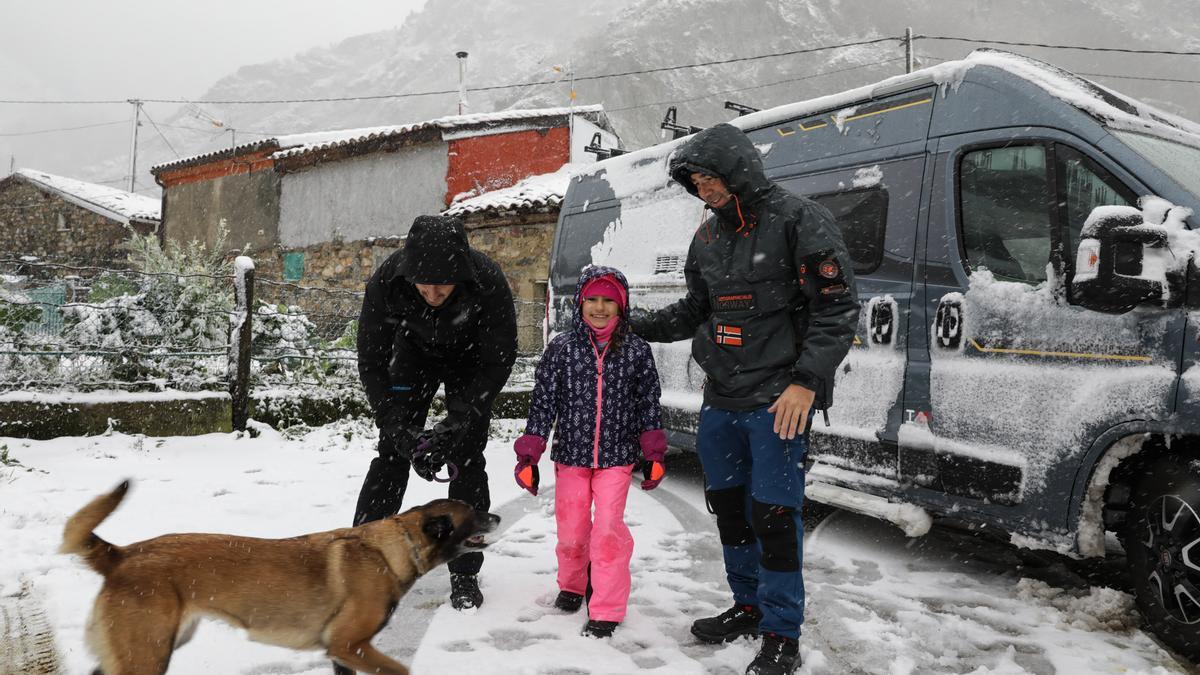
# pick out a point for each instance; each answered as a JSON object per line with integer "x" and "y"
{"x": 382, "y": 492}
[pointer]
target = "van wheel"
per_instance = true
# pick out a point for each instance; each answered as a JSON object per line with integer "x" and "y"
{"x": 1162, "y": 545}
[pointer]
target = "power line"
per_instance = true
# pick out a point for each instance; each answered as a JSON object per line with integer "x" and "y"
{"x": 645, "y": 71}
{"x": 1050, "y": 46}
{"x": 51, "y": 131}
{"x": 160, "y": 134}
{"x": 335, "y": 99}
{"x": 757, "y": 86}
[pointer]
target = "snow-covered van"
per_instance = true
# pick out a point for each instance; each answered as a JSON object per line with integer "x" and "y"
{"x": 1027, "y": 353}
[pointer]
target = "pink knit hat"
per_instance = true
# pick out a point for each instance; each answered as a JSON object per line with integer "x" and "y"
{"x": 606, "y": 287}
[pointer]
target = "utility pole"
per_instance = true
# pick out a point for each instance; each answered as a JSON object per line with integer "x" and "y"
{"x": 908, "y": 50}
{"x": 462, "y": 81}
{"x": 137, "y": 112}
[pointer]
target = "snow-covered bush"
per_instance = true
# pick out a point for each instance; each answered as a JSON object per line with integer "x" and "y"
{"x": 187, "y": 288}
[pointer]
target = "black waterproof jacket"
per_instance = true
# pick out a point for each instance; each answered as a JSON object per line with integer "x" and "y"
{"x": 771, "y": 297}
{"x": 475, "y": 329}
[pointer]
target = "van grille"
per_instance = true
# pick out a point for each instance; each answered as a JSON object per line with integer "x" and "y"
{"x": 668, "y": 264}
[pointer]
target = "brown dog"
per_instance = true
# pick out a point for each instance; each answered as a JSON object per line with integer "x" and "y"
{"x": 329, "y": 590}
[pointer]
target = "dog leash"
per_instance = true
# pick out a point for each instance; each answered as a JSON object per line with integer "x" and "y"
{"x": 423, "y": 448}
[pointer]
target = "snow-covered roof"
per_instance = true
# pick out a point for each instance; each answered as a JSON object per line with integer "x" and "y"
{"x": 1113, "y": 109}
{"x": 110, "y": 202}
{"x": 294, "y": 146}
{"x": 534, "y": 193}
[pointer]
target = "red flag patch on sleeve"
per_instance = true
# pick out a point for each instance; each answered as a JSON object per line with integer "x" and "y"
{"x": 730, "y": 336}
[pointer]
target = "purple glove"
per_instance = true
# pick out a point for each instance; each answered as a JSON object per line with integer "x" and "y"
{"x": 527, "y": 475}
{"x": 529, "y": 449}
{"x": 654, "y": 449}
{"x": 530, "y": 446}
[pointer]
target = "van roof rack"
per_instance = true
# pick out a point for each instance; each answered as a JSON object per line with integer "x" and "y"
{"x": 596, "y": 147}
{"x": 669, "y": 123}
{"x": 740, "y": 108}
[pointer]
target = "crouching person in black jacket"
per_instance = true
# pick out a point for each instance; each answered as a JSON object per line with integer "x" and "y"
{"x": 771, "y": 311}
{"x": 435, "y": 313}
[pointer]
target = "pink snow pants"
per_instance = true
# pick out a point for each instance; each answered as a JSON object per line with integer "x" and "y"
{"x": 605, "y": 541}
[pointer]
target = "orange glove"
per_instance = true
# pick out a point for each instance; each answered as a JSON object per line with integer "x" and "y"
{"x": 652, "y": 473}
{"x": 526, "y": 474}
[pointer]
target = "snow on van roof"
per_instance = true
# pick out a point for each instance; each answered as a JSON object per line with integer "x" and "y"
{"x": 112, "y": 203}
{"x": 541, "y": 191}
{"x": 1114, "y": 110}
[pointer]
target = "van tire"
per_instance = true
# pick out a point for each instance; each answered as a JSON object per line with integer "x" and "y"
{"x": 1162, "y": 525}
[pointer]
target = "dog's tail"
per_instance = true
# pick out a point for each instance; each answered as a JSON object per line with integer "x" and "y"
{"x": 79, "y": 538}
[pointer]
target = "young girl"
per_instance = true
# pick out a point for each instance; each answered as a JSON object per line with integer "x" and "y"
{"x": 599, "y": 383}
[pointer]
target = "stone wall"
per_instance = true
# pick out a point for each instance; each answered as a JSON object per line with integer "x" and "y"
{"x": 37, "y": 223}
{"x": 520, "y": 244}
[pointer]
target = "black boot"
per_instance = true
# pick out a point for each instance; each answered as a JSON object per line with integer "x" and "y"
{"x": 778, "y": 655}
{"x": 729, "y": 625}
{"x": 568, "y": 602}
{"x": 599, "y": 629}
{"x": 464, "y": 591}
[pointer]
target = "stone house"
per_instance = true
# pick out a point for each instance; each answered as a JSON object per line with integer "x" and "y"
{"x": 71, "y": 221}
{"x": 323, "y": 209}
{"x": 515, "y": 227}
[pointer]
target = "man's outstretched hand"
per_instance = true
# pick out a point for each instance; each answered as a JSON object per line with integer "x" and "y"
{"x": 791, "y": 411}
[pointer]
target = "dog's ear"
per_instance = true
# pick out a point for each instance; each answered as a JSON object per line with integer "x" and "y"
{"x": 438, "y": 528}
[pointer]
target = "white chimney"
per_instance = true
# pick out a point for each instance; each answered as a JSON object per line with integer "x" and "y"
{"x": 462, "y": 82}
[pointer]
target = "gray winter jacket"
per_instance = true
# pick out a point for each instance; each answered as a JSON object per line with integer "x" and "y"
{"x": 771, "y": 297}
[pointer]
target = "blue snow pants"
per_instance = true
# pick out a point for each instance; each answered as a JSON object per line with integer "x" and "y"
{"x": 754, "y": 483}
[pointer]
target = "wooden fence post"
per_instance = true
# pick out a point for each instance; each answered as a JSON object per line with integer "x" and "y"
{"x": 239, "y": 340}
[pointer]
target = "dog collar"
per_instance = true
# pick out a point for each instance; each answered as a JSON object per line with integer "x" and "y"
{"x": 412, "y": 553}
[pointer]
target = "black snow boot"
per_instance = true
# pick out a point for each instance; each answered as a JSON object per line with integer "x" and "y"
{"x": 778, "y": 655}
{"x": 464, "y": 591}
{"x": 729, "y": 625}
{"x": 599, "y": 629}
{"x": 568, "y": 602}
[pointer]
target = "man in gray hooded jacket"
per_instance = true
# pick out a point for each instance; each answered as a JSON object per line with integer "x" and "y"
{"x": 771, "y": 310}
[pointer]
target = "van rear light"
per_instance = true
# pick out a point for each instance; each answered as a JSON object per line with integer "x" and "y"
{"x": 668, "y": 263}
{"x": 1087, "y": 261}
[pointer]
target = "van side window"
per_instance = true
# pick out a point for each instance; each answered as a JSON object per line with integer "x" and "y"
{"x": 1006, "y": 210}
{"x": 1084, "y": 185}
{"x": 861, "y": 215}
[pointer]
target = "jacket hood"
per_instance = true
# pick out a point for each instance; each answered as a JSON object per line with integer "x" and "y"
{"x": 727, "y": 153}
{"x": 594, "y": 272}
{"x": 436, "y": 252}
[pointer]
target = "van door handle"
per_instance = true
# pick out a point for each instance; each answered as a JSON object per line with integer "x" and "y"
{"x": 949, "y": 322}
{"x": 883, "y": 319}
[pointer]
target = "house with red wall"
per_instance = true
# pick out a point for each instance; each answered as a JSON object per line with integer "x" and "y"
{"x": 327, "y": 206}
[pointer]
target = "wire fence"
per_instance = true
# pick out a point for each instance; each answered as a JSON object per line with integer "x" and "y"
{"x": 85, "y": 328}
{"x": 78, "y": 328}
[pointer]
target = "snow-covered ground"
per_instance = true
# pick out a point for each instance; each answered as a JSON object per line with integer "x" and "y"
{"x": 877, "y": 601}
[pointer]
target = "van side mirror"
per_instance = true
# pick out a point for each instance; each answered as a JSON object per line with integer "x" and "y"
{"x": 1119, "y": 263}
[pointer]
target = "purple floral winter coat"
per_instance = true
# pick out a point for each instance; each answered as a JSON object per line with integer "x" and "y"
{"x": 566, "y": 392}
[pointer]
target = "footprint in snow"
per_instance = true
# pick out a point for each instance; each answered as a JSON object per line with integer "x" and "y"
{"x": 647, "y": 662}
{"x": 509, "y": 640}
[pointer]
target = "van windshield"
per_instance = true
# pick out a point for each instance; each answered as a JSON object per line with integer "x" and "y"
{"x": 1177, "y": 160}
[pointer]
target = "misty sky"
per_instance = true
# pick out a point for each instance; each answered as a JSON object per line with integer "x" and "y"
{"x": 90, "y": 49}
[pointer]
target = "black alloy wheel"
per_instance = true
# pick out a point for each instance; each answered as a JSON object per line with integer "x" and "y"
{"x": 1162, "y": 544}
